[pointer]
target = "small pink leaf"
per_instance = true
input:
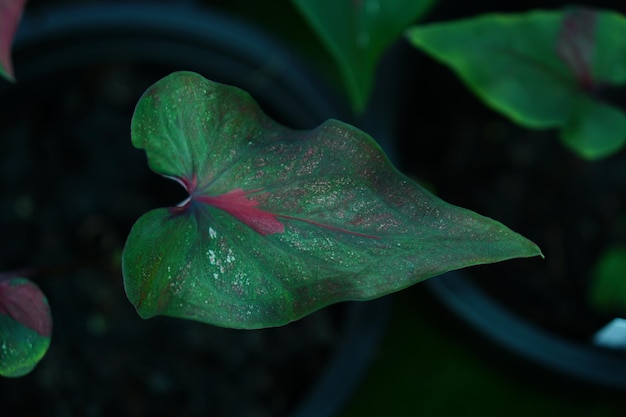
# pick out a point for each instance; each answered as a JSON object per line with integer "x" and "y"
{"x": 25, "y": 326}
{"x": 23, "y": 301}
{"x": 10, "y": 15}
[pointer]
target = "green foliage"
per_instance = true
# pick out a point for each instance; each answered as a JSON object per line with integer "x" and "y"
{"x": 608, "y": 286}
{"x": 280, "y": 223}
{"x": 10, "y": 14}
{"x": 357, "y": 33}
{"x": 542, "y": 69}
{"x": 25, "y": 326}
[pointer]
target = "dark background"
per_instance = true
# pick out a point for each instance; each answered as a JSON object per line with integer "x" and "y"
{"x": 67, "y": 200}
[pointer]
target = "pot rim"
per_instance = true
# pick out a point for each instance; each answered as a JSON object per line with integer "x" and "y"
{"x": 587, "y": 363}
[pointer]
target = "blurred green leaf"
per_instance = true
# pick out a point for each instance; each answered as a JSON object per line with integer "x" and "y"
{"x": 542, "y": 69}
{"x": 280, "y": 223}
{"x": 25, "y": 326}
{"x": 10, "y": 15}
{"x": 607, "y": 292}
{"x": 357, "y": 33}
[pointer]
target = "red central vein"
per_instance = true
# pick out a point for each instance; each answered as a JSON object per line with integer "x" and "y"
{"x": 327, "y": 226}
{"x": 239, "y": 205}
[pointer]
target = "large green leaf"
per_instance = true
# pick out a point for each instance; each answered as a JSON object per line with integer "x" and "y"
{"x": 279, "y": 222}
{"x": 25, "y": 326}
{"x": 357, "y": 33}
{"x": 10, "y": 14}
{"x": 542, "y": 69}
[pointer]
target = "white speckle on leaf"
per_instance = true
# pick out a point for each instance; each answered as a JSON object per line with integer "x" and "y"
{"x": 212, "y": 233}
{"x": 211, "y": 255}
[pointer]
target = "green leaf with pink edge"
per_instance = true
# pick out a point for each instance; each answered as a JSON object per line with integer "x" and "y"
{"x": 10, "y": 15}
{"x": 358, "y": 32}
{"x": 280, "y": 222}
{"x": 542, "y": 69}
{"x": 25, "y": 326}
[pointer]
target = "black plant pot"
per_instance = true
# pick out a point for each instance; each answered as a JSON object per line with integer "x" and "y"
{"x": 72, "y": 186}
{"x": 536, "y": 309}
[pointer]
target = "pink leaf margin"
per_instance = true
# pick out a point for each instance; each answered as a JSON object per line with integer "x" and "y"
{"x": 10, "y": 16}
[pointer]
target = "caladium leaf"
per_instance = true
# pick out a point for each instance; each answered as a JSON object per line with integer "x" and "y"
{"x": 25, "y": 326}
{"x": 280, "y": 222}
{"x": 10, "y": 15}
{"x": 357, "y": 33}
{"x": 542, "y": 69}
